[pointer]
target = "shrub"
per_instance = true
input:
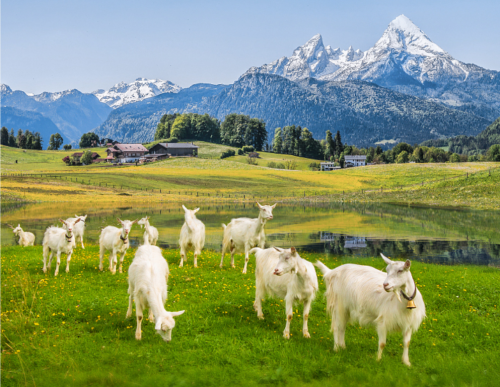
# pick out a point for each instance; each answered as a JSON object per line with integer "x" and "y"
{"x": 402, "y": 157}
{"x": 280, "y": 166}
{"x": 290, "y": 164}
{"x": 67, "y": 147}
{"x": 271, "y": 164}
{"x": 172, "y": 140}
{"x": 248, "y": 148}
{"x": 227, "y": 153}
{"x": 252, "y": 160}
{"x": 86, "y": 158}
{"x": 494, "y": 153}
{"x": 314, "y": 166}
{"x": 240, "y": 152}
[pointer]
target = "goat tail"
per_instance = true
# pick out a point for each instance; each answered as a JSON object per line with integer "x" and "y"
{"x": 321, "y": 266}
{"x": 255, "y": 250}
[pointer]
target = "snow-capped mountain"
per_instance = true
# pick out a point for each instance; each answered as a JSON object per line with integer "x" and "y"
{"x": 124, "y": 93}
{"x": 404, "y": 59}
{"x": 312, "y": 59}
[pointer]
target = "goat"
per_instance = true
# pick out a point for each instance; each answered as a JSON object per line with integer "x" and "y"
{"x": 370, "y": 297}
{"x": 79, "y": 228}
{"x": 241, "y": 234}
{"x": 147, "y": 285}
{"x": 192, "y": 235}
{"x": 59, "y": 240}
{"x": 151, "y": 232}
{"x": 25, "y": 238}
{"x": 116, "y": 240}
{"x": 284, "y": 274}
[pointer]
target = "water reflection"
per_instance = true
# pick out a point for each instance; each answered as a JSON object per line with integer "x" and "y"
{"x": 428, "y": 234}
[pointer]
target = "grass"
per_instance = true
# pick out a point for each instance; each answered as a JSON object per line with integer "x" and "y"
{"x": 302, "y": 163}
{"x": 214, "y": 179}
{"x": 71, "y": 329}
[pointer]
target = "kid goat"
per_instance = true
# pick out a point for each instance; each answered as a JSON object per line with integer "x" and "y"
{"x": 151, "y": 232}
{"x": 241, "y": 234}
{"x": 192, "y": 235}
{"x": 25, "y": 238}
{"x": 284, "y": 274}
{"x": 116, "y": 240}
{"x": 371, "y": 297}
{"x": 147, "y": 285}
{"x": 79, "y": 227}
{"x": 59, "y": 240}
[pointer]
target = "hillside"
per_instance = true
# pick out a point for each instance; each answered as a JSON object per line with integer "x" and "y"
{"x": 364, "y": 113}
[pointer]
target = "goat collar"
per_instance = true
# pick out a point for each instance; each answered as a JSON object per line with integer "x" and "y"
{"x": 410, "y": 304}
{"x": 124, "y": 239}
{"x": 68, "y": 238}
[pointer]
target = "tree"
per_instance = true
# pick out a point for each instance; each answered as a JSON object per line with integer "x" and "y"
{"x": 493, "y": 153}
{"x": 339, "y": 147}
{"x": 12, "y": 139}
{"x": 379, "y": 150}
{"x": 21, "y": 139}
{"x": 4, "y": 136}
{"x": 87, "y": 140}
{"x": 402, "y": 157}
{"x": 67, "y": 147}
{"x": 55, "y": 141}
{"x": 330, "y": 145}
{"x": 181, "y": 127}
{"x": 165, "y": 125}
{"x": 86, "y": 158}
{"x": 38, "y": 141}
{"x": 402, "y": 146}
{"x": 277, "y": 141}
{"x": 310, "y": 147}
{"x": 454, "y": 158}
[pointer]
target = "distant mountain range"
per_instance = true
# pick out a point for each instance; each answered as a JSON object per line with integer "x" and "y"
{"x": 364, "y": 113}
{"x": 404, "y": 59}
{"x": 125, "y": 93}
{"x": 72, "y": 112}
{"x": 404, "y": 88}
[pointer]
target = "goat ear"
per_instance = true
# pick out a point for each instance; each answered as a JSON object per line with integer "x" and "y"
{"x": 19, "y": 225}
{"x": 158, "y": 324}
{"x": 259, "y": 204}
{"x": 60, "y": 220}
{"x": 277, "y": 249}
{"x": 134, "y": 221}
{"x": 119, "y": 220}
{"x": 76, "y": 216}
{"x": 274, "y": 205}
{"x": 175, "y": 314}
{"x": 407, "y": 265}
{"x": 184, "y": 208}
{"x": 293, "y": 250}
{"x": 77, "y": 221}
{"x": 196, "y": 210}
{"x": 386, "y": 260}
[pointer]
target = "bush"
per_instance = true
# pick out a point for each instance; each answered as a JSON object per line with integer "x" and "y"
{"x": 494, "y": 153}
{"x": 227, "y": 153}
{"x": 280, "y": 166}
{"x": 67, "y": 147}
{"x": 271, "y": 164}
{"x": 240, "y": 152}
{"x": 252, "y": 160}
{"x": 290, "y": 164}
{"x": 172, "y": 140}
{"x": 314, "y": 166}
{"x": 454, "y": 158}
{"x": 248, "y": 148}
{"x": 86, "y": 158}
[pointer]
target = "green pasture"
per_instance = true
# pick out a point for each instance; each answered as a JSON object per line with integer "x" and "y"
{"x": 71, "y": 330}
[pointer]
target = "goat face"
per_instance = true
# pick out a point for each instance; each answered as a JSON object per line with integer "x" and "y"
{"x": 398, "y": 274}
{"x": 266, "y": 212}
{"x": 17, "y": 230}
{"x": 189, "y": 214}
{"x": 143, "y": 221}
{"x": 165, "y": 324}
{"x": 83, "y": 218}
{"x": 127, "y": 225}
{"x": 69, "y": 225}
{"x": 287, "y": 261}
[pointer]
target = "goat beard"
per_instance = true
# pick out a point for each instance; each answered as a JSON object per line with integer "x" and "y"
{"x": 398, "y": 295}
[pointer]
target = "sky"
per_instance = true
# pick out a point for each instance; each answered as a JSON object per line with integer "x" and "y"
{"x": 55, "y": 45}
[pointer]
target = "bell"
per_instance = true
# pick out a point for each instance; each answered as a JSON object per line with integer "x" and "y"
{"x": 410, "y": 305}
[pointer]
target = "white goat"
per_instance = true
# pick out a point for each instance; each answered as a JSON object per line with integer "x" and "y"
{"x": 59, "y": 240}
{"x": 25, "y": 238}
{"x": 116, "y": 240}
{"x": 79, "y": 227}
{"x": 241, "y": 234}
{"x": 147, "y": 284}
{"x": 192, "y": 235}
{"x": 151, "y": 232}
{"x": 284, "y": 274}
{"x": 371, "y": 297}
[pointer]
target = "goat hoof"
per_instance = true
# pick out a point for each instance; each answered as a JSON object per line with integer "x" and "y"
{"x": 260, "y": 316}
{"x": 129, "y": 314}
{"x": 407, "y": 363}
{"x": 67, "y": 270}
{"x": 138, "y": 337}
{"x": 307, "y": 335}
{"x": 286, "y": 335}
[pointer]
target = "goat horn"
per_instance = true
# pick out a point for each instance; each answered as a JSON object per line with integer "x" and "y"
{"x": 10, "y": 226}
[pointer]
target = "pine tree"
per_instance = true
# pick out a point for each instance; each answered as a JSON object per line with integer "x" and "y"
{"x": 38, "y": 141}
{"x": 330, "y": 145}
{"x": 55, "y": 141}
{"x": 4, "y": 136}
{"x": 12, "y": 139}
{"x": 277, "y": 141}
{"x": 339, "y": 147}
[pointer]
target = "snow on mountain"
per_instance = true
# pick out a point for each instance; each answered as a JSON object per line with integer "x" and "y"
{"x": 404, "y": 59}
{"x": 124, "y": 93}
{"x": 312, "y": 59}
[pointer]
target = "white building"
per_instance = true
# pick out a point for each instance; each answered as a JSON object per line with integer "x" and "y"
{"x": 355, "y": 161}
{"x": 329, "y": 166}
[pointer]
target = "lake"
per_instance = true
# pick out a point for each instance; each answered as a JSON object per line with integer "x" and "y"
{"x": 427, "y": 234}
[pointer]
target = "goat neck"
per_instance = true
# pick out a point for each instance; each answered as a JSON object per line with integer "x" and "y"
{"x": 409, "y": 288}
{"x": 262, "y": 222}
{"x": 122, "y": 237}
{"x": 190, "y": 218}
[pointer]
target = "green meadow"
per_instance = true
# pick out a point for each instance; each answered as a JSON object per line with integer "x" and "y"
{"x": 71, "y": 330}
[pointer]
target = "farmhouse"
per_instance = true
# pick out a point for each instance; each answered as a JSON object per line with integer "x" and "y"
{"x": 329, "y": 166}
{"x": 355, "y": 161}
{"x": 125, "y": 153}
{"x": 174, "y": 149}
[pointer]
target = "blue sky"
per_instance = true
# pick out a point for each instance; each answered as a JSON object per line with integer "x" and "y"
{"x": 55, "y": 45}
